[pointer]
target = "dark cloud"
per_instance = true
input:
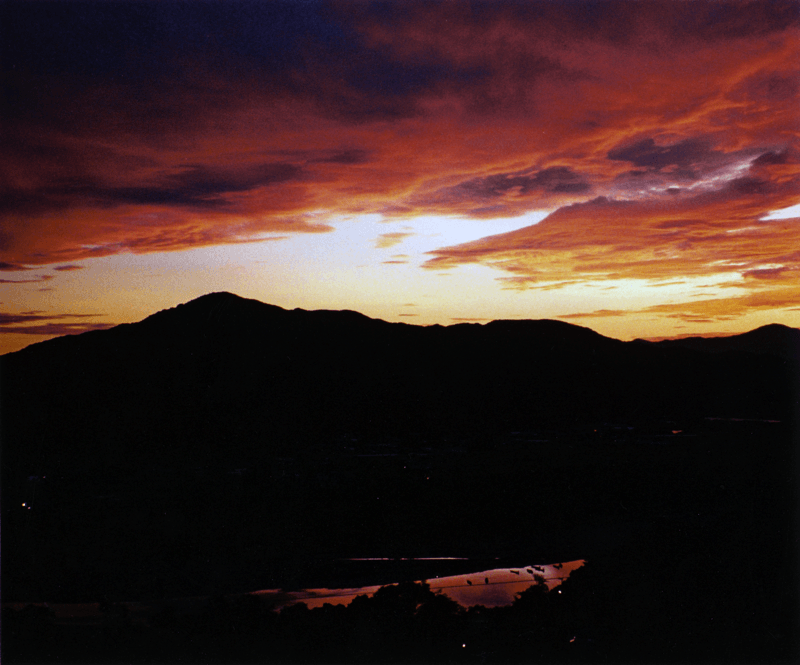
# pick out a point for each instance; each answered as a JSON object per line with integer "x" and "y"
{"x": 200, "y": 186}
{"x": 685, "y": 224}
{"x": 735, "y": 20}
{"x": 595, "y": 314}
{"x": 772, "y": 158}
{"x": 8, "y": 319}
{"x": 54, "y": 329}
{"x": 12, "y": 267}
{"x": 768, "y": 273}
{"x": 528, "y": 183}
{"x": 693, "y": 161}
{"x": 557, "y": 179}
{"x": 749, "y": 185}
{"x": 68, "y": 268}
{"x": 39, "y": 278}
{"x": 647, "y": 154}
{"x": 39, "y": 323}
{"x": 778, "y": 88}
{"x": 103, "y": 39}
{"x": 354, "y": 156}
{"x": 27, "y": 317}
{"x": 193, "y": 186}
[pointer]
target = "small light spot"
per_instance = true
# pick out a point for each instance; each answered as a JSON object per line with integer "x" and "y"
{"x": 23, "y": 505}
{"x": 463, "y": 646}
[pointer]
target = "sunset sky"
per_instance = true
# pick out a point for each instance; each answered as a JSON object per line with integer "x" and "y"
{"x": 632, "y": 167}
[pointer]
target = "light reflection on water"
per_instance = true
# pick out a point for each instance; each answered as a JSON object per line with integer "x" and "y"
{"x": 491, "y": 588}
{"x": 467, "y": 590}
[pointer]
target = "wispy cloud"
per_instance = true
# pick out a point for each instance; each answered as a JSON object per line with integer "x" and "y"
{"x": 386, "y": 240}
{"x": 38, "y": 278}
{"x": 50, "y": 325}
{"x": 707, "y": 310}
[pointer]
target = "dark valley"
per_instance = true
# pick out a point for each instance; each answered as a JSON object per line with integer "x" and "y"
{"x": 226, "y": 446}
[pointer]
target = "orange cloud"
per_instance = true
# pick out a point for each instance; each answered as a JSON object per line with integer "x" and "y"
{"x": 657, "y": 237}
{"x": 682, "y": 115}
{"x": 386, "y": 240}
{"x": 710, "y": 309}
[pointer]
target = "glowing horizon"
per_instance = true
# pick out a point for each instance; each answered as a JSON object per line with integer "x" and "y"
{"x": 631, "y": 167}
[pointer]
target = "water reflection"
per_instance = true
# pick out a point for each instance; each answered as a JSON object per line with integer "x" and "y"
{"x": 491, "y": 588}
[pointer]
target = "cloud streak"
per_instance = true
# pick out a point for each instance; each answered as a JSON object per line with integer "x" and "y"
{"x": 386, "y": 240}
{"x": 42, "y": 324}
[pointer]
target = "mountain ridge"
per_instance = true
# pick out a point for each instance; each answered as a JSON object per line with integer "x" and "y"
{"x": 228, "y": 444}
{"x": 775, "y": 338}
{"x": 195, "y": 369}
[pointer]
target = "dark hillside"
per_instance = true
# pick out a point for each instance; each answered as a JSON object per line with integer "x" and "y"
{"x": 227, "y": 375}
{"x": 774, "y": 340}
{"x": 227, "y": 445}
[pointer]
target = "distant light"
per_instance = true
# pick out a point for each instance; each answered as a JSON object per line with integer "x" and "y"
{"x": 463, "y": 646}
{"x": 23, "y": 505}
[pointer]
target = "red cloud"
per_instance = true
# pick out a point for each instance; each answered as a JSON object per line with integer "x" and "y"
{"x": 682, "y": 115}
{"x": 656, "y": 238}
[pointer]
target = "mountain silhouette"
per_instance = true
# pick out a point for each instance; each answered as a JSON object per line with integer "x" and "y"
{"x": 224, "y": 368}
{"x": 773, "y": 339}
{"x": 229, "y": 444}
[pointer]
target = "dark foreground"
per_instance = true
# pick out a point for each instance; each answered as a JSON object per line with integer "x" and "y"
{"x": 646, "y": 611}
{"x": 691, "y": 543}
{"x": 227, "y": 446}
